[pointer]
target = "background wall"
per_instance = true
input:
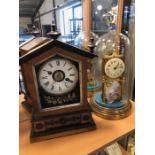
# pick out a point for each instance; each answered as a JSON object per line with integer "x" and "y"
{"x": 23, "y": 21}
{"x": 46, "y": 19}
{"x": 47, "y": 6}
{"x": 49, "y": 17}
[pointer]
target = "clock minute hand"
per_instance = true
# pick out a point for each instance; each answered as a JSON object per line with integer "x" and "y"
{"x": 116, "y": 66}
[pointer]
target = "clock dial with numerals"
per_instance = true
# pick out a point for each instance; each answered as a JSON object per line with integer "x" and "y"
{"x": 114, "y": 68}
{"x": 58, "y": 76}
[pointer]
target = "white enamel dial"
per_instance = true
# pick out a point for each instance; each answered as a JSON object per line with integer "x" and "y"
{"x": 58, "y": 76}
{"x": 114, "y": 68}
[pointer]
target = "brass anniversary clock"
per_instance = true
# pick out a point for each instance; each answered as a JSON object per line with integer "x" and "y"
{"x": 56, "y": 82}
{"x": 112, "y": 101}
{"x": 114, "y": 68}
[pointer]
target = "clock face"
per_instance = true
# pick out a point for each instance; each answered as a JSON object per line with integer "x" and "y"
{"x": 58, "y": 76}
{"x": 114, "y": 68}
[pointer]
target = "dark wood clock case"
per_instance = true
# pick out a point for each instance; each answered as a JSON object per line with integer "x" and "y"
{"x": 60, "y": 119}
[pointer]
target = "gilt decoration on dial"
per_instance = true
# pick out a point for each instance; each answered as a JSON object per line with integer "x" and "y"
{"x": 58, "y": 76}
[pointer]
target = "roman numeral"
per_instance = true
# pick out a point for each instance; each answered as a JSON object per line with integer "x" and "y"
{"x": 60, "y": 89}
{"x": 52, "y": 87}
{"x": 71, "y": 74}
{"x": 108, "y": 72}
{"x": 64, "y": 64}
{"x": 50, "y": 65}
{"x": 70, "y": 68}
{"x": 47, "y": 83}
{"x": 58, "y": 62}
{"x": 44, "y": 77}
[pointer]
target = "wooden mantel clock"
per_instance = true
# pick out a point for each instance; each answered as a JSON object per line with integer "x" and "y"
{"x": 56, "y": 81}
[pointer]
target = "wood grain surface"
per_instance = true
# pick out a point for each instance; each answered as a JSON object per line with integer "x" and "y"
{"x": 107, "y": 132}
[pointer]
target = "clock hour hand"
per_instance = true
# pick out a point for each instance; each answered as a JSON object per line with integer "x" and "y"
{"x": 68, "y": 80}
{"x": 49, "y": 72}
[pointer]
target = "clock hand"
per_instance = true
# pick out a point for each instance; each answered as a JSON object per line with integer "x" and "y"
{"x": 68, "y": 80}
{"x": 49, "y": 72}
{"x": 116, "y": 66}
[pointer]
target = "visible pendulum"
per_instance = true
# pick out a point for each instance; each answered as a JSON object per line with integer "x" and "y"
{"x": 110, "y": 104}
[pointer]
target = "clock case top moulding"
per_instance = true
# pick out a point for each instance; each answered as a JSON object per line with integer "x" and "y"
{"x": 61, "y": 120}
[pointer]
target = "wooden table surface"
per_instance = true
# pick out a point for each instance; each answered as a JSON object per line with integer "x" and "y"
{"x": 107, "y": 132}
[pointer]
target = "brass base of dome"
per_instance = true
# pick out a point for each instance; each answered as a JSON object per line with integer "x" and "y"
{"x": 110, "y": 113}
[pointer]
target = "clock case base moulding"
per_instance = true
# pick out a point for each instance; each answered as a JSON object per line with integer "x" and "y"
{"x": 57, "y": 126}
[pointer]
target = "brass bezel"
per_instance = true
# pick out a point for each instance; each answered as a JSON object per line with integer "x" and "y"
{"x": 110, "y": 113}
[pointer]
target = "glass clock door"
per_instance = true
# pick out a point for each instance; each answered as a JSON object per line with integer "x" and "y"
{"x": 58, "y": 82}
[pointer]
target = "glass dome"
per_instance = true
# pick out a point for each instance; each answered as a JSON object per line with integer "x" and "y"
{"x": 83, "y": 39}
{"x": 112, "y": 69}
